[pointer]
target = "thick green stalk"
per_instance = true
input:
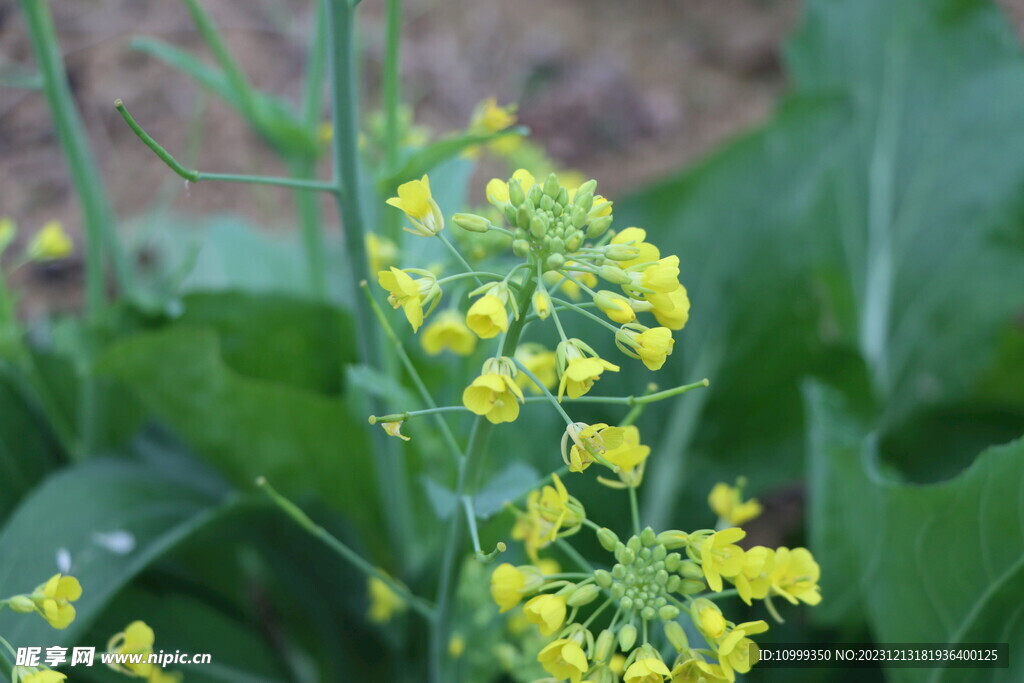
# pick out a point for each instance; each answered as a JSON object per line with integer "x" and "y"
{"x": 392, "y": 478}
{"x": 469, "y": 475}
{"x": 98, "y": 216}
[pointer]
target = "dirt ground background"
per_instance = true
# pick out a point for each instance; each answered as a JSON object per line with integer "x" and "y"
{"x": 626, "y": 91}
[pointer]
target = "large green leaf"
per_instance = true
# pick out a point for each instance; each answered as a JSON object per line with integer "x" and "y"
{"x": 936, "y": 563}
{"x": 928, "y": 188}
{"x": 884, "y": 251}
{"x": 72, "y": 513}
{"x": 28, "y": 447}
{"x": 301, "y": 441}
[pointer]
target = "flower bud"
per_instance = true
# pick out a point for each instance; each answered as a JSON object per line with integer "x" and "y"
{"x": 584, "y": 201}
{"x": 586, "y": 188}
{"x": 673, "y": 583}
{"x": 661, "y": 577}
{"x": 618, "y": 571}
{"x": 672, "y": 561}
{"x": 615, "y": 275}
{"x": 607, "y": 538}
{"x": 668, "y": 612}
{"x": 648, "y": 613}
{"x": 647, "y": 537}
{"x": 625, "y": 555}
{"x": 547, "y": 202}
{"x": 22, "y": 604}
{"x": 626, "y": 602}
{"x": 554, "y": 262}
{"x": 520, "y": 248}
{"x": 523, "y": 215}
{"x": 691, "y": 570}
{"x": 584, "y": 595}
{"x": 471, "y": 222}
{"x": 599, "y": 226}
{"x": 542, "y": 304}
{"x": 675, "y": 635}
{"x": 573, "y": 242}
{"x": 603, "y": 578}
{"x": 633, "y": 544}
{"x": 617, "y": 590}
{"x": 551, "y": 186}
{"x": 673, "y": 538}
{"x": 691, "y": 587}
{"x": 627, "y": 637}
{"x": 516, "y": 196}
{"x": 605, "y": 646}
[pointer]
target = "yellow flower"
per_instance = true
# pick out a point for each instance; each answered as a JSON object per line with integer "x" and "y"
{"x": 50, "y": 244}
{"x": 628, "y": 454}
{"x": 618, "y": 663}
{"x": 383, "y": 252}
{"x": 719, "y": 556}
{"x": 415, "y": 200}
{"x": 615, "y": 306}
{"x": 671, "y": 310}
{"x": 661, "y": 277}
{"x": 495, "y": 394}
{"x": 395, "y": 429}
{"x": 509, "y": 584}
{"x": 555, "y": 507}
{"x": 52, "y": 600}
{"x": 754, "y": 580}
{"x": 646, "y": 670}
{"x": 708, "y": 618}
{"x": 727, "y": 502}
{"x": 384, "y": 602}
{"x": 7, "y": 233}
{"x": 497, "y": 189}
{"x": 22, "y": 674}
{"x": 456, "y": 646}
{"x": 652, "y": 345}
{"x": 487, "y": 316}
{"x": 635, "y": 237}
{"x": 736, "y": 651}
{"x": 571, "y": 289}
{"x": 579, "y": 367}
{"x": 542, "y": 303}
{"x": 541, "y": 363}
{"x": 136, "y": 639}
{"x": 448, "y": 331}
{"x": 589, "y": 442}
{"x": 411, "y": 295}
{"x": 564, "y": 658}
{"x": 795, "y": 576}
{"x": 546, "y": 611}
{"x": 490, "y": 118}
{"x": 696, "y": 670}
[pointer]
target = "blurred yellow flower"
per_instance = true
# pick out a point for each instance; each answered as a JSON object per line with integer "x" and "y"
{"x": 795, "y": 576}
{"x": 51, "y": 243}
{"x": 546, "y": 611}
{"x": 383, "y": 252}
{"x": 448, "y": 331}
{"x": 384, "y": 602}
{"x": 646, "y": 670}
{"x": 539, "y": 361}
{"x": 727, "y": 502}
{"x": 136, "y": 639}
{"x": 51, "y": 600}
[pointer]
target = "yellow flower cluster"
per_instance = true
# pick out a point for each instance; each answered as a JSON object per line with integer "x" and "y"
{"x": 656, "y": 578}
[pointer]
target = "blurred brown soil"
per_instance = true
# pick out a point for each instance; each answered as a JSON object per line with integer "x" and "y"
{"x": 625, "y": 91}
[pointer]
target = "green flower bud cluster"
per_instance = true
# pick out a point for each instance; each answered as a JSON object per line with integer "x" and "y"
{"x": 550, "y": 224}
{"x": 646, "y": 575}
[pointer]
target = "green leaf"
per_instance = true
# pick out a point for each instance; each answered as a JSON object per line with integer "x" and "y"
{"x": 424, "y": 160}
{"x": 937, "y": 563}
{"x": 927, "y": 192}
{"x": 28, "y": 447}
{"x": 71, "y": 510}
{"x": 301, "y": 441}
{"x": 277, "y": 337}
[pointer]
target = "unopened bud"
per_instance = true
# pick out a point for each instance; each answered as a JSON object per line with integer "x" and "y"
{"x": 648, "y": 613}
{"x": 691, "y": 570}
{"x": 675, "y": 635}
{"x": 22, "y": 604}
{"x": 607, "y": 538}
{"x": 647, "y": 537}
{"x": 604, "y": 646}
{"x": 573, "y": 242}
{"x": 615, "y": 275}
{"x": 621, "y": 252}
{"x": 471, "y": 222}
{"x": 627, "y": 637}
{"x": 673, "y": 538}
{"x": 551, "y": 186}
{"x": 584, "y": 595}
{"x": 599, "y": 226}
{"x": 515, "y": 193}
{"x": 554, "y": 262}
{"x": 520, "y": 248}
{"x": 668, "y": 612}
{"x": 603, "y": 578}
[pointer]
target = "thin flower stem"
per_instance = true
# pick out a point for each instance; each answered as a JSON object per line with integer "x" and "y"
{"x": 590, "y": 523}
{"x": 728, "y": 593}
{"x": 421, "y": 386}
{"x": 474, "y": 534}
{"x": 458, "y": 256}
{"x": 586, "y": 313}
{"x": 597, "y": 612}
{"x": 473, "y": 274}
{"x": 196, "y": 176}
{"x": 669, "y": 393}
{"x": 588, "y": 304}
{"x": 634, "y": 510}
{"x": 303, "y": 520}
{"x": 574, "y": 554}
{"x": 579, "y": 284}
{"x": 547, "y": 394}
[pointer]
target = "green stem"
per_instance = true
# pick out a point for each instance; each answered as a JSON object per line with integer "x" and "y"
{"x": 391, "y": 90}
{"x": 307, "y": 203}
{"x": 634, "y": 510}
{"x": 195, "y": 176}
{"x": 100, "y": 233}
{"x": 574, "y": 554}
{"x": 586, "y": 313}
{"x": 392, "y": 479}
{"x": 236, "y": 77}
{"x": 458, "y": 256}
{"x": 469, "y": 472}
{"x": 728, "y": 593}
{"x": 303, "y": 520}
{"x": 547, "y": 394}
{"x": 467, "y": 504}
{"x": 473, "y": 274}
